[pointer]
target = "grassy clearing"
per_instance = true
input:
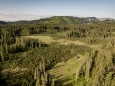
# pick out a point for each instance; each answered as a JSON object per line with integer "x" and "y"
{"x": 46, "y": 39}
{"x": 64, "y": 72}
{"x": 49, "y": 40}
{"x": 113, "y": 34}
{"x": 14, "y": 70}
{"x": 23, "y": 64}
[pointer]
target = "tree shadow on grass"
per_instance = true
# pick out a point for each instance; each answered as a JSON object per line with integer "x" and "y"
{"x": 64, "y": 82}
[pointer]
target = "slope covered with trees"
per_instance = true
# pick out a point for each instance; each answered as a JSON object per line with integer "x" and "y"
{"x": 57, "y": 20}
{"x": 27, "y": 61}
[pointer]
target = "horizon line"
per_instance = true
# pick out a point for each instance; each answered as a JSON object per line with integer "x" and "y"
{"x": 44, "y": 17}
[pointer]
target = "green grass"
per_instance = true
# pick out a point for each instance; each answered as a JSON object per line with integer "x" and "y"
{"x": 64, "y": 73}
{"x": 22, "y": 64}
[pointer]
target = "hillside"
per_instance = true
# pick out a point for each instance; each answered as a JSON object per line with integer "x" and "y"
{"x": 68, "y": 20}
{"x": 3, "y": 22}
{"x": 57, "y": 55}
{"x": 63, "y": 20}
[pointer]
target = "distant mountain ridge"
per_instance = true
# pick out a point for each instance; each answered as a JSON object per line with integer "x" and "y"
{"x": 65, "y": 20}
{"x": 3, "y": 22}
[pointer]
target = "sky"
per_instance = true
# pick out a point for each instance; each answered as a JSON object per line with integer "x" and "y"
{"x": 13, "y": 10}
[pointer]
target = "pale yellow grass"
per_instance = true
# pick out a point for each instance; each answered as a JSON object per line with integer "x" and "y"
{"x": 113, "y": 32}
{"x": 64, "y": 71}
{"x": 14, "y": 70}
{"x": 48, "y": 39}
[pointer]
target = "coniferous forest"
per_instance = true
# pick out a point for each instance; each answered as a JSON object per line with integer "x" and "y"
{"x": 58, "y": 51}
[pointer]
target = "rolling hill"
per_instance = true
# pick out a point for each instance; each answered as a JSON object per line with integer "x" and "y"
{"x": 3, "y": 22}
{"x": 64, "y": 20}
{"x": 57, "y": 20}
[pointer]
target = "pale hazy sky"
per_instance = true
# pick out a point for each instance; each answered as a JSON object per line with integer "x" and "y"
{"x": 35, "y": 9}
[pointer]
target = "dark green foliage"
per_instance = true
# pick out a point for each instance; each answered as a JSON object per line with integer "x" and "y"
{"x": 41, "y": 75}
{"x": 15, "y": 51}
{"x": 3, "y": 22}
{"x": 30, "y": 60}
{"x": 100, "y": 65}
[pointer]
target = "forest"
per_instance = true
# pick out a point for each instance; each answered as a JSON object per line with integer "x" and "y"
{"x": 57, "y": 51}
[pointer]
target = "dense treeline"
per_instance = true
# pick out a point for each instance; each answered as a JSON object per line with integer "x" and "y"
{"x": 93, "y": 32}
{"x": 30, "y": 60}
{"x": 80, "y": 30}
{"x": 17, "y": 52}
{"x": 98, "y": 67}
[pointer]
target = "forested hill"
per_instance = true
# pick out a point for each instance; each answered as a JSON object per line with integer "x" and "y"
{"x": 67, "y": 20}
{"x": 63, "y": 20}
{"x": 3, "y": 22}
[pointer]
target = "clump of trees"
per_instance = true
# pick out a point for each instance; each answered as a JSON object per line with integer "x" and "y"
{"x": 99, "y": 66}
{"x": 41, "y": 75}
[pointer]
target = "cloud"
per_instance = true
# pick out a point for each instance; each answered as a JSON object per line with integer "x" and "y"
{"x": 15, "y": 17}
